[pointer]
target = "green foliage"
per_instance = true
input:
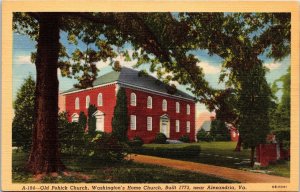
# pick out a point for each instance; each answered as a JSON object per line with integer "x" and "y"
{"x": 136, "y": 142}
{"x": 82, "y": 120}
{"x": 109, "y": 148}
{"x": 24, "y": 112}
{"x": 120, "y": 118}
{"x": 71, "y": 136}
{"x": 92, "y": 119}
{"x": 178, "y": 152}
{"x": 160, "y": 138}
{"x": 184, "y": 138}
{"x": 202, "y": 135}
{"x": 219, "y": 131}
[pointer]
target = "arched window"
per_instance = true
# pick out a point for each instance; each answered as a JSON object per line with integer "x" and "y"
{"x": 164, "y": 105}
{"x": 87, "y": 101}
{"x": 77, "y": 103}
{"x": 100, "y": 99}
{"x": 177, "y": 107}
{"x": 188, "y": 109}
{"x": 149, "y": 102}
{"x": 133, "y": 99}
{"x": 188, "y": 126}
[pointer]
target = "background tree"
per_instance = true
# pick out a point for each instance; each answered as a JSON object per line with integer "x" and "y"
{"x": 24, "y": 112}
{"x": 120, "y": 119}
{"x": 219, "y": 131}
{"x": 92, "y": 119}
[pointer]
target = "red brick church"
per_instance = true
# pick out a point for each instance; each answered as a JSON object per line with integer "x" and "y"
{"x": 152, "y": 107}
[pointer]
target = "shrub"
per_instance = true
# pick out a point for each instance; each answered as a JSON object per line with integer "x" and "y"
{"x": 184, "y": 138}
{"x": 160, "y": 138}
{"x": 109, "y": 148}
{"x": 91, "y": 119}
{"x": 136, "y": 142}
{"x": 202, "y": 135}
{"x": 182, "y": 152}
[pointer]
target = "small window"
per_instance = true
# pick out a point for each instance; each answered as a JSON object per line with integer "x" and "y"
{"x": 149, "y": 123}
{"x": 149, "y": 102}
{"x": 164, "y": 105}
{"x": 133, "y": 99}
{"x": 132, "y": 122}
{"x": 87, "y": 101}
{"x": 188, "y": 109}
{"x": 100, "y": 99}
{"x": 177, "y": 107}
{"x": 177, "y": 126}
{"x": 77, "y": 103}
{"x": 188, "y": 126}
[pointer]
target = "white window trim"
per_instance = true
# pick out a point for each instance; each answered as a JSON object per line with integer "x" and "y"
{"x": 75, "y": 117}
{"x": 77, "y": 103}
{"x": 188, "y": 126}
{"x": 132, "y": 122}
{"x": 100, "y": 99}
{"x": 149, "y": 102}
{"x": 177, "y": 126}
{"x": 188, "y": 109}
{"x": 165, "y": 105}
{"x": 133, "y": 99}
{"x": 149, "y": 123}
{"x": 177, "y": 107}
{"x": 87, "y": 101}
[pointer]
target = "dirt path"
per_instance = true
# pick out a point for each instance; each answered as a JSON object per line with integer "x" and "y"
{"x": 224, "y": 172}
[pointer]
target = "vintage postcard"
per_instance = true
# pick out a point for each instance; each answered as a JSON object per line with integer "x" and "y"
{"x": 150, "y": 96}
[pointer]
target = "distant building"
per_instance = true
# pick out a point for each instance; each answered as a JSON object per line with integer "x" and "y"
{"x": 152, "y": 105}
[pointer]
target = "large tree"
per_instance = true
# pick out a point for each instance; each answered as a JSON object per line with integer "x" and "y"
{"x": 159, "y": 35}
{"x": 241, "y": 39}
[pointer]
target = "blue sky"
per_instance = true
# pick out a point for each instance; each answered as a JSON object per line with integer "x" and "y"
{"x": 22, "y": 66}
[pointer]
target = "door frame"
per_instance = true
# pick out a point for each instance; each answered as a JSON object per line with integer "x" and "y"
{"x": 97, "y": 115}
{"x": 165, "y": 117}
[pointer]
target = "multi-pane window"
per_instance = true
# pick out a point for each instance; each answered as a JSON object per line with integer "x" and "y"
{"x": 164, "y": 105}
{"x": 177, "y": 107}
{"x": 188, "y": 126}
{"x": 132, "y": 122}
{"x": 133, "y": 99}
{"x": 87, "y": 101}
{"x": 177, "y": 126}
{"x": 149, "y": 123}
{"x": 100, "y": 99}
{"x": 149, "y": 102}
{"x": 77, "y": 103}
{"x": 188, "y": 109}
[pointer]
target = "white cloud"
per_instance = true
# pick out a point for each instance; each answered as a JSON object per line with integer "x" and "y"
{"x": 23, "y": 59}
{"x": 208, "y": 68}
{"x": 272, "y": 66}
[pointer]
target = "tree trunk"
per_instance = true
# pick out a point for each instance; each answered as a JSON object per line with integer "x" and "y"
{"x": 44, "y": 156}
{"x": 239, "y": 144}
{"x": 252, "y": 156}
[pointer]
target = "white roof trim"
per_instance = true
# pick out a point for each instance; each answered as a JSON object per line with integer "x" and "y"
{"x": 102, "y": 85}
{"x": 154, "y": 92}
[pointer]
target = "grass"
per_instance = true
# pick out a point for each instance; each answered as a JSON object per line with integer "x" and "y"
{"x": 223, "y": 154}
{"x": 97, "y": 172}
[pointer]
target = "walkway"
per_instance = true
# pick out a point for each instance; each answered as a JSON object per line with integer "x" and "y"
{"x": 224, "y": 172}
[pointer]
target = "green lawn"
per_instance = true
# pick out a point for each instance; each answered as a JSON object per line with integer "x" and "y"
{"x": 97, "y": 172}
{"x": 223, "y": 154}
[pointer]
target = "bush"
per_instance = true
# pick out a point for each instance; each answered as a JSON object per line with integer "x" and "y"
{"x": 108, "y": 148}
{"x": 202, "y": 135}
{"x": 136, "y": 142}
{"x": 182, "y": 152}
{"x": 184, "y": 138}
{"x": 160, "y": 138}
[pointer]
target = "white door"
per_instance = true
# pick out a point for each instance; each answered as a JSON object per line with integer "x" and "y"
{"x": 165, "y": 129}
{"x": 100, "y": 123}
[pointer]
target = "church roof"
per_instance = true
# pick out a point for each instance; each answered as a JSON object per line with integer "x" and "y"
{"x": 128, "y": 77}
